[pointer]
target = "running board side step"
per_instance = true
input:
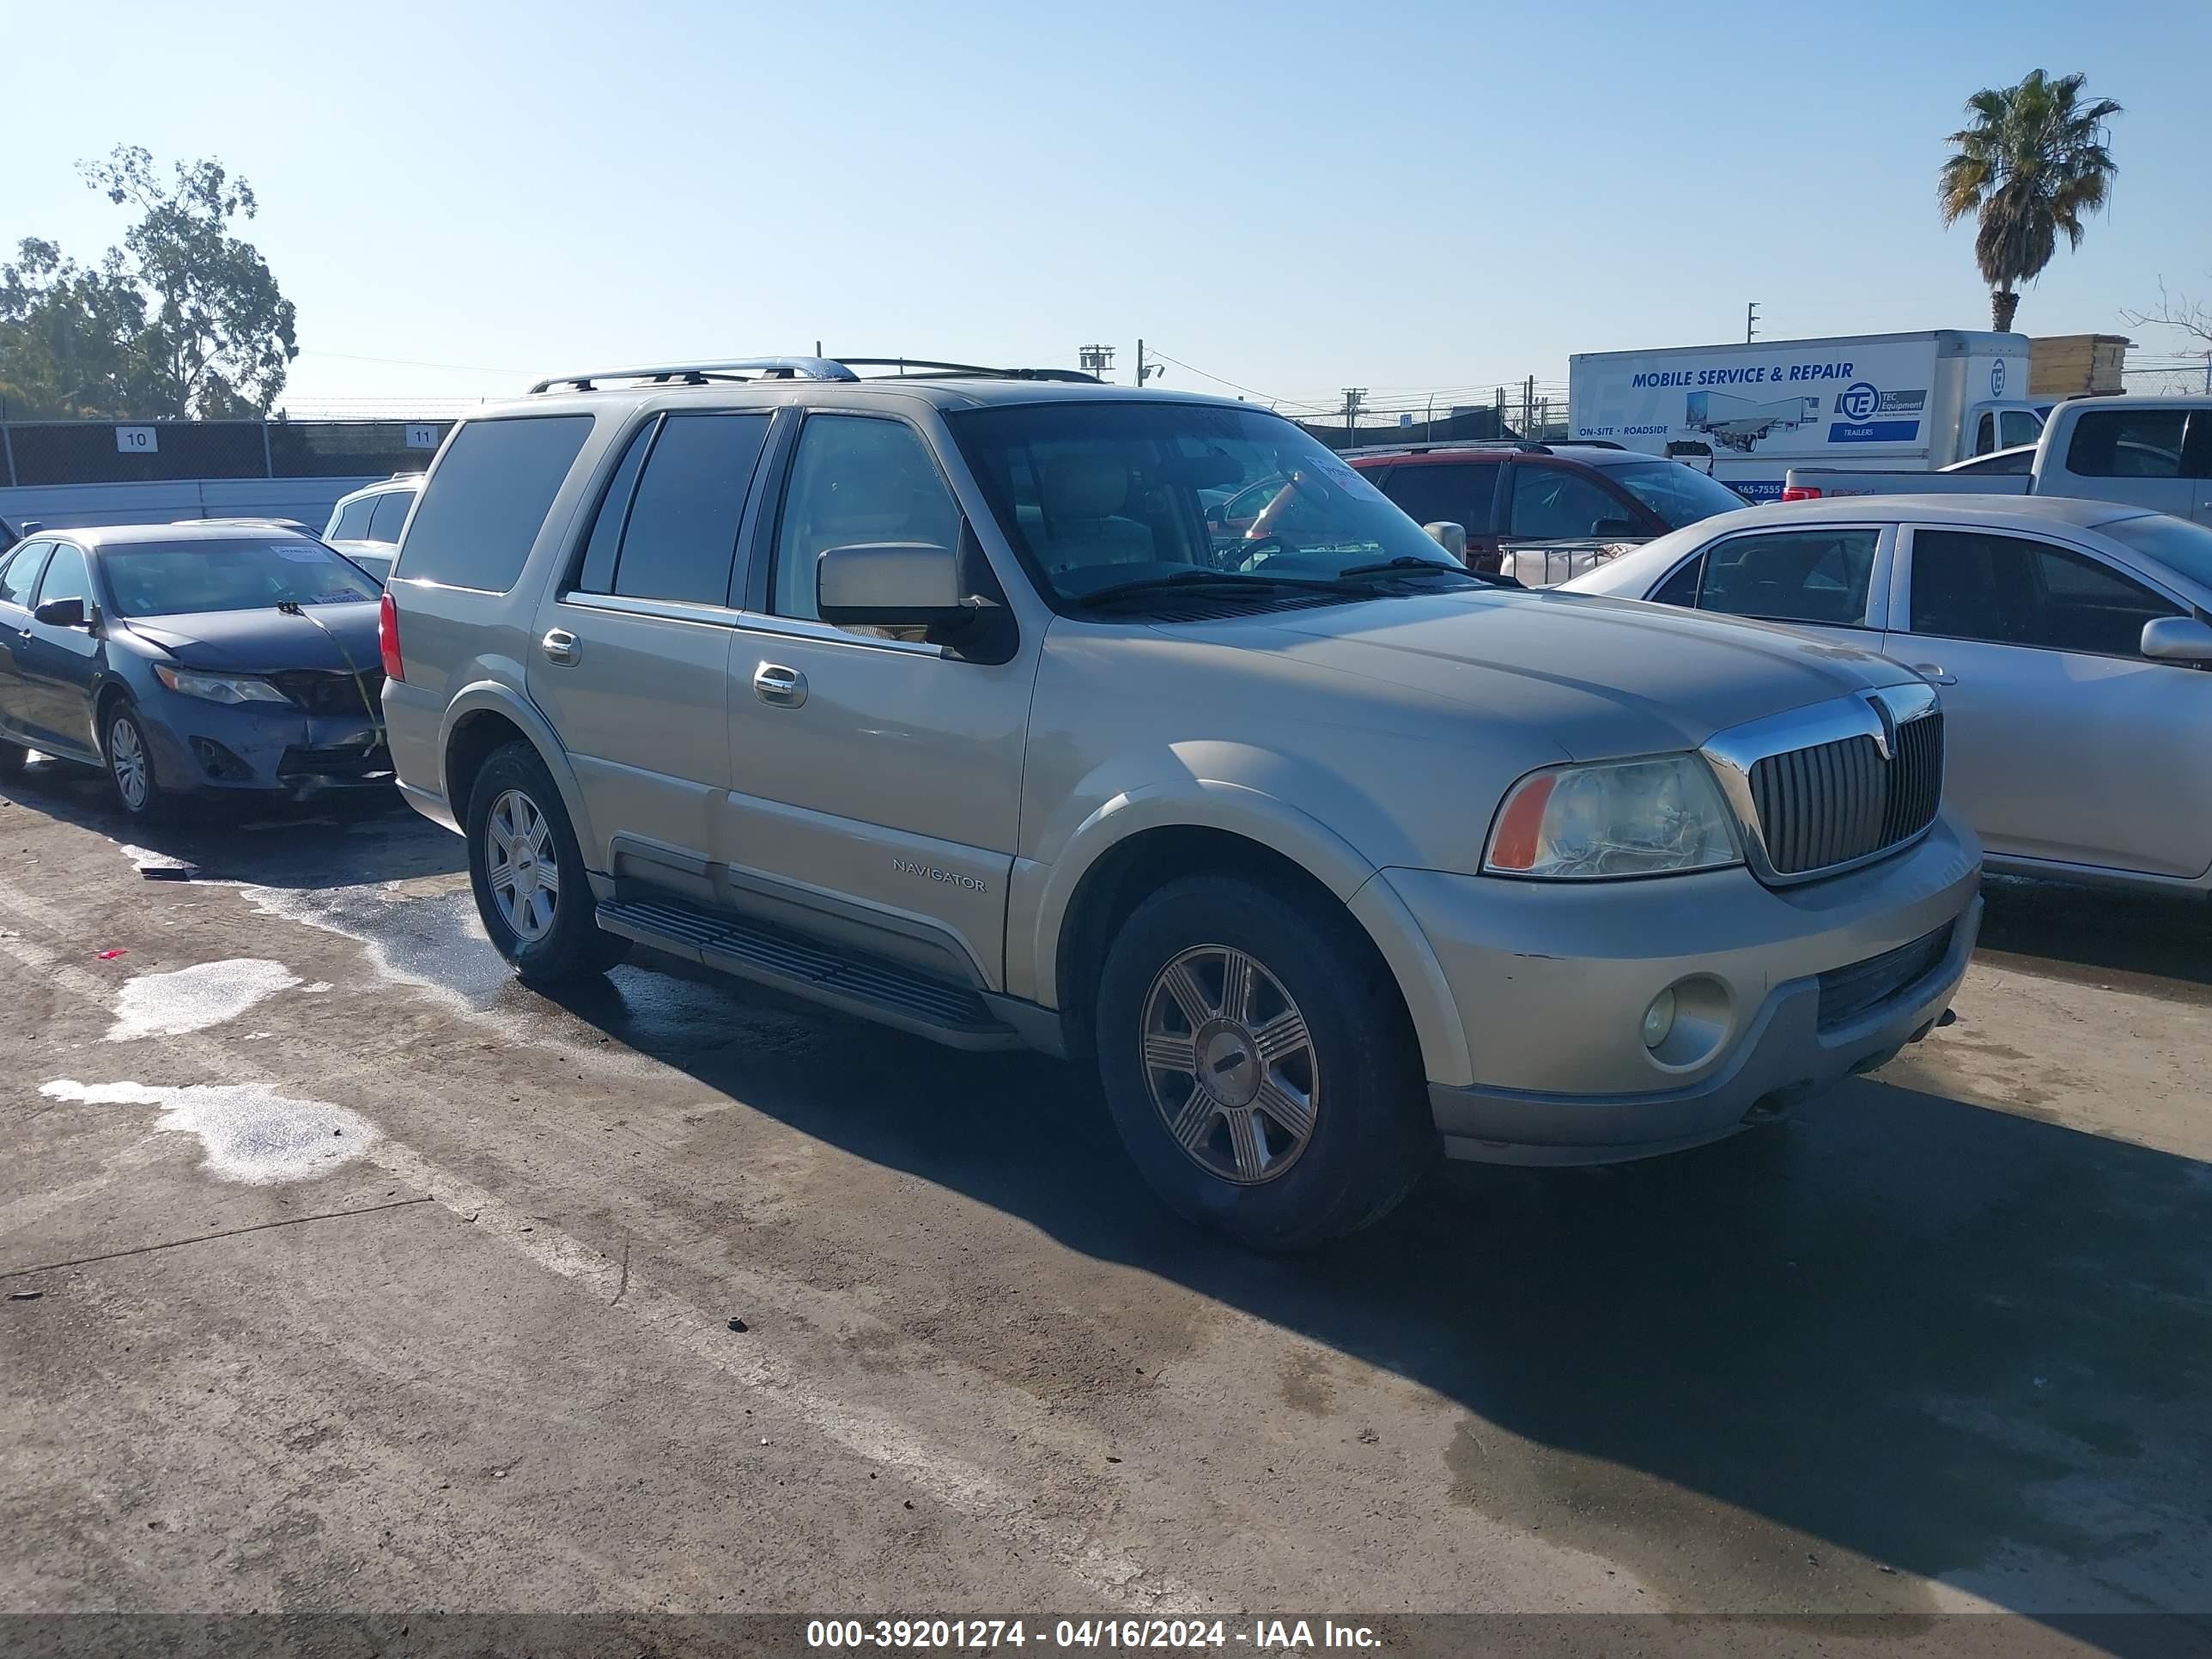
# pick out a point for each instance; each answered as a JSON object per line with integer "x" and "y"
{"x": 873, "y": 988}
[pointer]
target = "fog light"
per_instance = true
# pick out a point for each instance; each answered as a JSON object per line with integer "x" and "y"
{"x": 1659, "y": 1018}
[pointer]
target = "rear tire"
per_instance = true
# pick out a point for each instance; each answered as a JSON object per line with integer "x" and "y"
{"x": 528, "y": 874}
{"x": 12, "y": 756}
{"x": 130, "y": 758}
{"x": 1260, "y": 1064}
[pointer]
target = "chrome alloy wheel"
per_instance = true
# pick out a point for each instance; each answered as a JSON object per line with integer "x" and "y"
{"x": 524, "y": 876}
{"x": 1231, "y": 1064}
{"x": 126, "y": 757}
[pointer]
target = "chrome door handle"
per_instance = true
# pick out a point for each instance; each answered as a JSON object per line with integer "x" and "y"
{"x": 559, "y": 645}
{"x": 784, "y": 687}
{"x": 1933, "y": 674}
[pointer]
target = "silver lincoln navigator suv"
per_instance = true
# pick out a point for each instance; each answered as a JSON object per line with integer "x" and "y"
{"x": 940, "y": 696}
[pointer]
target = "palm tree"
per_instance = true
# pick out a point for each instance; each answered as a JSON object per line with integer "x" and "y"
{"x": 2032, "y": 163}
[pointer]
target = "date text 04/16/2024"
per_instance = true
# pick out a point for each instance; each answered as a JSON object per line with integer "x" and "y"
{"x": 1265, "y": 1636}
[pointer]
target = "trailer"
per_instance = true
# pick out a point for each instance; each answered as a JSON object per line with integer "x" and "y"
{"x": 1891, "y": 402}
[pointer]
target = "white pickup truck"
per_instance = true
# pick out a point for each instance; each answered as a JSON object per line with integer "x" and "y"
{"x": 2145, "y": 452}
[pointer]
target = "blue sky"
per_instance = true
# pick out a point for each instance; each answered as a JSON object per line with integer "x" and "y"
{"x": 1413, "y": 197}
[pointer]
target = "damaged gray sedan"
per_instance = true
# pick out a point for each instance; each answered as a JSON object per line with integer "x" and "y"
{"x": 186, "y": 658}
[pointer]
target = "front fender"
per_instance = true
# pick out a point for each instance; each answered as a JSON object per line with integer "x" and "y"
{"x": 1042, "y": 895}
{"x": 494, "y": 696}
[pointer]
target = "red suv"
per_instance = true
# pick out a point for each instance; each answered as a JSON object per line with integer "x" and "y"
{"x": 1528, "y": 497}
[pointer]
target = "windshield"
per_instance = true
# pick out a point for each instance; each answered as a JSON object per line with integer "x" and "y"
{"x": 2185, "y": 547}
{"x": 1099, "y": 495}
{"x": 1674, "y": 492}
{"x": 164, "y": 578}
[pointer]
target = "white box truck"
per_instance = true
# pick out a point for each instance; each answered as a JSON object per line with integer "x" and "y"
{"x": 1889, "y": 403}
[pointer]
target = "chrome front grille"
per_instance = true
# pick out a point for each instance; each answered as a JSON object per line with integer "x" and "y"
{"x": 1821, "y": 789}
{"x": 1835, "y": 803}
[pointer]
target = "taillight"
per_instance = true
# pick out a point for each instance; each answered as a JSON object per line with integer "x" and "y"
{"x": 387, "y": 637}
{"x": 1801, "y": 493}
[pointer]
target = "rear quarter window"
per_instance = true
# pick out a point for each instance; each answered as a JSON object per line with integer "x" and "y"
{"x": 483, "y": 505}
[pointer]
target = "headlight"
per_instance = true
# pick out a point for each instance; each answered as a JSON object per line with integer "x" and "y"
{"x": 218, "y": 688}
{"x": 1637, "y": 818}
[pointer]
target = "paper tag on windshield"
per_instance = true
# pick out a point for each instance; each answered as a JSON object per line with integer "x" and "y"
{"x": 1345, "y": 478}
{"x": 297, "y": 552}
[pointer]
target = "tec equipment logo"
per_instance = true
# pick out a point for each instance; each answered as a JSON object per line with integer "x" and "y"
{"x": 1859, "y": 402}
{"x": 1997, "y": 378}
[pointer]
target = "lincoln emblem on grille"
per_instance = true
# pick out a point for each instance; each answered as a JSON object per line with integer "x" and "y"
{"x": 1885, "y": 741}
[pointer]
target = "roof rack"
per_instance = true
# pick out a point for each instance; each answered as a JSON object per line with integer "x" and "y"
{"x": 803, "y": 369}
{"x": 1524, "y": 446}
{"x": 902, "y": 366}
{"x": 742, "y": 368}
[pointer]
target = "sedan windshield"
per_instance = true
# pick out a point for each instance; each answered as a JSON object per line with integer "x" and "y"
{"x": 165, "y": 578}
{"x": 1131, "y": 495}
{"x": 1676, "y": 493}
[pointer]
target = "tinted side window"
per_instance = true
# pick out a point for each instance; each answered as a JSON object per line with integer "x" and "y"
{"x": 19, "y": 572}
{"x": 1551, "y": 502}
{"x": 2127, "y": 443}
{"x": 857, "y": 479}
{"x": 598, "y": 573}
{"x": 66, "y": 577}
{"x": 2018, "y": 426}
{"x": 351, "y": 523}
{"x": 388, "y": 513}
{"x": 1461, "y": 492}
{"x": 683, "y": 531}
{"x": 486, "y": 500}
{"x": 1810, "y": 576}
{"x": 1681, "y": 587}
{"x": 2008, "y": 590}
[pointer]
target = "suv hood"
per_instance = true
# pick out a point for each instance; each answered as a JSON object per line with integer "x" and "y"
{"x": 1598, "y": 677}
{"x": 265, "y": 641}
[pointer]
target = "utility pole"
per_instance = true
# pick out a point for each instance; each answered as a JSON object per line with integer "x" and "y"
{"x": 1096, "y": 359}
{"x": 1353, "y": 397}
{"x": 1148, "y": 372}
{"x": 1750, "y": 318}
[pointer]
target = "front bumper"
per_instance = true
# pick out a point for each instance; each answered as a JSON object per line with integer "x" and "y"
{"x": 1553, "y": 983}
{"x": 261, "y": 748}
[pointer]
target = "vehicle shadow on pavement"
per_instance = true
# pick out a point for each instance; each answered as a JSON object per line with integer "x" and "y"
{"x": 2092, "y": 935}
{"x": 340, "y": 839}
{"x": 1921, "y": 1330}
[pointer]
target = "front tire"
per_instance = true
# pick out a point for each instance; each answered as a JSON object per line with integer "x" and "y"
{"x": 12, "y": 758}
{"x": 130, "y": 758}
{"x": 1260, "y": 1064}
{"x": 527, "y": 872}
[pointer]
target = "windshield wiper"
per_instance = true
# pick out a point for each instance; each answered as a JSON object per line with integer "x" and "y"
{"x": 1215, "y": 581}
{"x": 1411, "y": 565}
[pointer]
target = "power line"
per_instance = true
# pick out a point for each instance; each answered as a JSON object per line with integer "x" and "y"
{"x": 1267, "y": 396}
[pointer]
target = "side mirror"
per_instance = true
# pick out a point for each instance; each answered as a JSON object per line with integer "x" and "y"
{"x": 1452, "y": 537}
{"x": 890, "y": 585}
{"x": 2165, "y": 639}
{"x": 1616, "y": 529}
{"x": 61, "y": 613}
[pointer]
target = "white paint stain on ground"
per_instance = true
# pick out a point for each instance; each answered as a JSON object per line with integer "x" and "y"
{"x": 193, "y": 999}
{"x": 248, "y": 1132}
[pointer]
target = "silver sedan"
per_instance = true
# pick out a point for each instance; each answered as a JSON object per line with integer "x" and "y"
{"x": 2072, "y": 640}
